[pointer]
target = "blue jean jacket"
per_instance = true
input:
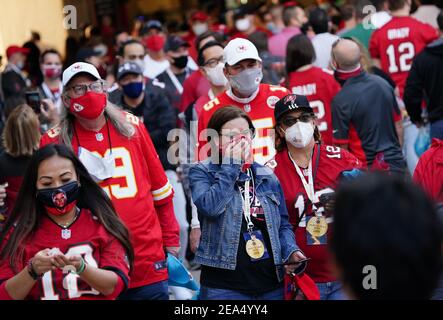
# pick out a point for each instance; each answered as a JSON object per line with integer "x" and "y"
{"x": 220, "y": 209}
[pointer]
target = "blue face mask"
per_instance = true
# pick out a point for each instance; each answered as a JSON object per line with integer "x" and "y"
{"x": 133, "y": 90}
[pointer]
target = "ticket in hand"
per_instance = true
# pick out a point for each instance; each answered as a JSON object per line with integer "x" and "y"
{"x": 54, "y": 251}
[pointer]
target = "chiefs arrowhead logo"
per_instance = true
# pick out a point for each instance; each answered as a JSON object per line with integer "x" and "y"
{"x": 78, "y": 107}
{"x": 242, "y": 48}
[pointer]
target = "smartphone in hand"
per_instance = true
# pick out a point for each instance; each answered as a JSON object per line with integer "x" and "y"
{"x": 34, "y": 101}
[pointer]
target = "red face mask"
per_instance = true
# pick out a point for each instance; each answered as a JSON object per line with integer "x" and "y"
{"x": 60, "y": 212}
{"x": 155, "y": 42}
{"x": 89, "y": 106}
{"x": 52, "y": 72}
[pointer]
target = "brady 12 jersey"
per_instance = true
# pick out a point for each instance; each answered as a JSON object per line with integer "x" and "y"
{"x": 328, "y": 162}
{"x": 320, "y": 87}
{"x": 87, "y": 238}
{"x": 261, "y": 112}
{"x": 397, "y": 43}
{"x": 139, "y": 190}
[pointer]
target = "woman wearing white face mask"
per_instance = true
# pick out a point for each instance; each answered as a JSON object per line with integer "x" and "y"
{"x": 309, "y": 172}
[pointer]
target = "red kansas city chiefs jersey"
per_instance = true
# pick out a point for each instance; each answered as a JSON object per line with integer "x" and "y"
{"x": 140, "y": 192}
{"x": 397, "y": 43}
{"x": 328, "y": 163}
{"x": 320, "y": 87}
{"x": 90, "y": 240}
{"x": 261, "y": 112}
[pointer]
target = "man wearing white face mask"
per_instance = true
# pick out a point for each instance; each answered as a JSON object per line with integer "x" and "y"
{"x": 309, "y": 172}
{"x": 118, "y": 152}
{"x": 210, "y": 59}
{"x": 243, "y": 69}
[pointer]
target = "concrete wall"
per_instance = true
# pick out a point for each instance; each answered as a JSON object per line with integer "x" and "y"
{"x": 19, "y": 17}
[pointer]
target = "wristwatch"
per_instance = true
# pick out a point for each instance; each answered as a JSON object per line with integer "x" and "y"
{"x": 32, "y": 272}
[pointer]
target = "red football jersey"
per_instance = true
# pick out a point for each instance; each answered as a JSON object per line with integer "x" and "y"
{"x": 320, "y": 87}
{"x": 429, "y": 171}
{"x": 261, "y": 112}
{"x": 328, "y": 162}
{"x": 140, "y": 192}
{"x": 397, "y": 43}
{"x": 89, "y": 239}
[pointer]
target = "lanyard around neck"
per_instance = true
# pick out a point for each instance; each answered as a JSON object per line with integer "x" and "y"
{"x": 308, "y": 185}
{"x": 246, "y": 201}
{"x": 175, "y": 81}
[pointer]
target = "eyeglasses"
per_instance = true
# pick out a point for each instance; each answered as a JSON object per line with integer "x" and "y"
{"x": 231, "y": 135}
{"x": 81, "y": 89}
{"x": 212, "y": 63}
{"x": 290, "y": 121}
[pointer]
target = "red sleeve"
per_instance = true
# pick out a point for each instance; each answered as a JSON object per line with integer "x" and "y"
{"x": 113, "y": 257}
{"x": 162, "y": 192}
{"x": 351, "y": 161}
{"x": 422, "y": 173}
{"x": 429, "y": 33}
{"x": 373, "y": 45}
{"x": 189, "y": 93}
{"x": 6, "y": 272}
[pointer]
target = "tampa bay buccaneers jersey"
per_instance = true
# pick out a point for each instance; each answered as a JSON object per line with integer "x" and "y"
{"x": 139, "y": 190}
{"x": 328, "y": 162}
{"x": 261, "y": 112}
{"x": 87, "y": 238}
{"x": 320, "y": 87}
{"x": 397, "y": 43}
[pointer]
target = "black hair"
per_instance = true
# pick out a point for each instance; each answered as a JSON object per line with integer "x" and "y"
{"x": 440, "y": 20}
{"x": 260, "y": 40}
{"x": 318, "y": 19}
{"x": 210, "y": 44}
{"x": 121, "y": 50}
{"x": 27, "y": 213}
{"x": 390, "y": 224}
{"x": 299, "y": 52}
{"x": 216, "y": 35}
{"x": 49, "y": 51}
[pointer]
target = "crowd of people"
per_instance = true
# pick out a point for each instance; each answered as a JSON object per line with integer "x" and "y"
{"x": 280, "y": 149}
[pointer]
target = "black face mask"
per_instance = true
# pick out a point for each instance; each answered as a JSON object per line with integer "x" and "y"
{"x": 180, "y": 62}
{"x": 59, "y": 198}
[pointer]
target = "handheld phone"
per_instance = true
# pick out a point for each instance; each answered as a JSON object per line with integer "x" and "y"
{"x": 33, "y": 100}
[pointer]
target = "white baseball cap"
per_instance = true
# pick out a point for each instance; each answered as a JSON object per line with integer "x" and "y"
{"x": 240, "y": 49}
{"x": 79, "y": 67}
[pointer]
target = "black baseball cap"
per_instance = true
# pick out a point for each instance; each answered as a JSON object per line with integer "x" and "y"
{"x": 175, "y": 42}
{"x": 291, "y": 102}
{"x": 128, "y": 68}
{"x": 85, "y": 53}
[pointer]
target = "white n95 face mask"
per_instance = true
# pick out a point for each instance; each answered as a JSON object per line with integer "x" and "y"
{"x": 300, "y": 134}
{"x": 216, "y": 75}
{"x": 99, "y": 168}
{"x": 243, "y": 24}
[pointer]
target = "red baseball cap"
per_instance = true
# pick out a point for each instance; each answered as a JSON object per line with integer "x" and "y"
{"x": 290, "y": 4}
{"x": 199, "y": 16}
{"x": 16, "y": 49}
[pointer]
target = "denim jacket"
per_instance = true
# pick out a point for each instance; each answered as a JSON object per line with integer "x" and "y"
{"x": 219, "y": 204}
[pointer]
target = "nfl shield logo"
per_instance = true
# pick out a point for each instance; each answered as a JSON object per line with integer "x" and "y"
{"x": 99, "y": 136}
{"x": 66, "y": 234}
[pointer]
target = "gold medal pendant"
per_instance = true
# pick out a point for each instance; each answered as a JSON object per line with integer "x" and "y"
{"x": 255, "y": 248}
{"x": 317, "y": 226}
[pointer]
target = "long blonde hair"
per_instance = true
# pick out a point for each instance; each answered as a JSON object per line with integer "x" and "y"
{"x": 21, "y": 136}
{"x": 113, "y": 113}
